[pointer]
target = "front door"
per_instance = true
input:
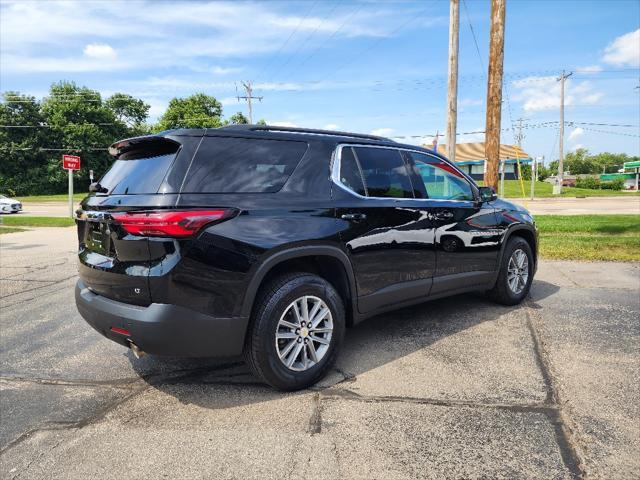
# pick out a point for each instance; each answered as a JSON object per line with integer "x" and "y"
{"x": 466, "y": 236}
{"x": 387, "y": 233}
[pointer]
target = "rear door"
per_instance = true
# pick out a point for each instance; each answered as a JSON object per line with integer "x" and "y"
{"x": 113, "y": 263}
{"x": 387, "y": 235}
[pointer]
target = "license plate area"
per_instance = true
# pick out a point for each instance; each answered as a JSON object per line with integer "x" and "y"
{"x": 98, "y": 237}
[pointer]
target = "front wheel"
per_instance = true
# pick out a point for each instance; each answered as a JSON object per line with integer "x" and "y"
{"x": 296, "y": 331}
{"x": 516, "y": 273}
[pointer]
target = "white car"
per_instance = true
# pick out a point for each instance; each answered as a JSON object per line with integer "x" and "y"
{"x": 9, "y": 205}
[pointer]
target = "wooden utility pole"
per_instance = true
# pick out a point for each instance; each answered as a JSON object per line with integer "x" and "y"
{"x": 494, "y": 93}
{"x": 558, "y": 187}
{"x": 452, "y": 95}
{"x": 248, "y": 97}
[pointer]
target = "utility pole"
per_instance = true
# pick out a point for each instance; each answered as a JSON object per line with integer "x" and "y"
{"x": 452, "y": 94}
{"x": 494, "y": 93}
{"x": 248, "y": 97}
{"x": 557, "y": 190}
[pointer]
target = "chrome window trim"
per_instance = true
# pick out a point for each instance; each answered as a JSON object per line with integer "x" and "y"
{"x": 335, "y": 173}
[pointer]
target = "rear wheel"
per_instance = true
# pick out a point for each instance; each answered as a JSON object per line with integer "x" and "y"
{"x": 516, "y": 273}
{"x": 296, "y": 331}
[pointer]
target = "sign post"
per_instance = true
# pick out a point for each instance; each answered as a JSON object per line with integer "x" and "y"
{"x": 71, "y": 163}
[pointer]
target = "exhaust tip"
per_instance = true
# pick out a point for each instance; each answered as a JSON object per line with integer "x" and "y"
{"x": 136, "y": 350}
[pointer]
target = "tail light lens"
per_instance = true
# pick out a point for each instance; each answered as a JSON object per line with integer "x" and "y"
{"x": 172, "y": 223}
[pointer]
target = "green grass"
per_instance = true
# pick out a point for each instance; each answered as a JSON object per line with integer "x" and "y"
{"x": 10, "y": 230}
{"x": 589, "y": 237}
{"x": 63, "y": 197}
{"x": 20, "y": 221}
{"x": 545, "y": 190}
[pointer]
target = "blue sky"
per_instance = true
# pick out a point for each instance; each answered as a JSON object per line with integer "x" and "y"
{"x": 364, "y": 66}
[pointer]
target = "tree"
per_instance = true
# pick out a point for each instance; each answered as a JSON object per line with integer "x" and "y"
{"x": 72, "y": 120}
{"x": 196, "y": 111}
{"x": 238, "y": 119}
{"x": 129, "y": 110}
{"x": 21, "y": 137}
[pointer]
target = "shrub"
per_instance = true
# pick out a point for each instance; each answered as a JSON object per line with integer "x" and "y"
{"x": 617, "y": 184}
{"x": 588, "y": 182}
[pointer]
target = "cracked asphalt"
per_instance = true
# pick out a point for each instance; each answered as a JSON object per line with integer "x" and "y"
{"x": 456, "y": 388}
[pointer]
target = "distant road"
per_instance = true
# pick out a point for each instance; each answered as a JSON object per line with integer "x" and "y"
{"x": 540, "y": 206}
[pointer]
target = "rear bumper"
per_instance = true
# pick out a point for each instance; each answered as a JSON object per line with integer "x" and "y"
{"x": 163, "y": 329}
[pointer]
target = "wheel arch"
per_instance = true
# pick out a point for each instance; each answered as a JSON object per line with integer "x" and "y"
{"x": 526, "y": 232}
{"x": 330, "y": 263}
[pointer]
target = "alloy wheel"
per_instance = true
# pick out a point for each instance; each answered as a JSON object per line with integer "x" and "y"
{"x": 518, "y": 271}
{"x": 303, "y": 334}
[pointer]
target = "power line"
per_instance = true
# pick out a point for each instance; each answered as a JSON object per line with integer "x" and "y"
{"x": 335, "y": 5}
{"x": 473, "y": 34}
{"x": 286, "y": 42}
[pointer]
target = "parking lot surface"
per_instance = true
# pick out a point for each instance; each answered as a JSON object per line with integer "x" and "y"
{"x": 455, "y": 388}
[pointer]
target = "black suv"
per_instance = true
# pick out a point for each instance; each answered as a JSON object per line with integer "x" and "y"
{"x": 269, "y": 241}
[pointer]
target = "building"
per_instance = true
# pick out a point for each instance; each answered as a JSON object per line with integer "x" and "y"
{"x": 470, "y": 157}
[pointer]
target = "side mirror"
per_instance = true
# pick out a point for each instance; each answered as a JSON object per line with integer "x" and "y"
{"x": 487, "y": 194}
{"x": 96, "y": 187}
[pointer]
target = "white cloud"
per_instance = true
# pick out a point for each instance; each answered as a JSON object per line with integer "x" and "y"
{"x": 37, "y": 36}
{"x": 543, "y": 93}
{"x": 589, "y": 69}
{"x": 576, "y": 147}
{"x": 218, "y": 70}
{"x": 624, "y": 50}
{"x": 382, "y": 132}
{"x": 575, "y": 134}
{"x": 331, "y": 126}
{"x": 101, "y": 51}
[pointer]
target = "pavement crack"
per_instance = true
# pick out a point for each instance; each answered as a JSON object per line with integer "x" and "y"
{"x": 566, "y": 430}
{"x": 345, "y": 394}
{"x": 116, "y": 383}
{"x": 315, "y": 420}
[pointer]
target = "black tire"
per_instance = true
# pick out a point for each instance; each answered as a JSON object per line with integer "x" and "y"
{"x": 501, "y": 292}
{"x": 260, "y": 348}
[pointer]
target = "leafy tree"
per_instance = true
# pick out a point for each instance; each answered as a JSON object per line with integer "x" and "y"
{"x": 197, "y": 111}
{"x": 129, "y": 110}
{"x": 238, "y": 119}
{"x": 72, "y": 120}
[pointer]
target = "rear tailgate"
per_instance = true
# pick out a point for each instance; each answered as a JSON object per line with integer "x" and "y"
{"x": 145, "y": 176}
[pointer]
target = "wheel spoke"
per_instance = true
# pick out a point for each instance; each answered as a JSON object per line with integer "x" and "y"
{"x": 287, "y": 349}
{"x": 312, "y": 352}
{"x": 285, "y": 323}
{"x": 283, "y": 335}
{"x": 296, "y": 351}
{"x": 321, "y": 330}
{"x": 296, "y": 312}
{"x": 305, "y": 309}
{"x": 314, "y": 310}
{"x": 324, "y": 341}
{"x": 321, "y": 315}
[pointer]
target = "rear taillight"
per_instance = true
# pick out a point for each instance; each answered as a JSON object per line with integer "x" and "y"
{"x": 183, "y": 223}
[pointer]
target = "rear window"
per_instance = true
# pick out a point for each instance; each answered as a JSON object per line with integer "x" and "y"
{"x": 384, "y": 171}
{"x": 143, "y": 174}
{"x": 242, "y": 165}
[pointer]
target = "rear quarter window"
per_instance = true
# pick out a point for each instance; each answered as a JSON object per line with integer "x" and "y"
{"x": 242, "y": 165}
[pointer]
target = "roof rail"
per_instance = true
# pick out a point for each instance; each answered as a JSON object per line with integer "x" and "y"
{"x": 313, "y": 131}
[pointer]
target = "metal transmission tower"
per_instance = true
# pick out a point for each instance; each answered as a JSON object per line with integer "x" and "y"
{"x": 248, "y": 97}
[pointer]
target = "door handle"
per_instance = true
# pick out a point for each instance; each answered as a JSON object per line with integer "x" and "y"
{"x": 354, "y": 217}
{"x": 446, "y": 215}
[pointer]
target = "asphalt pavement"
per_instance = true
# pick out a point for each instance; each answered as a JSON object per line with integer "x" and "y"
{"x": 455, "y": 388}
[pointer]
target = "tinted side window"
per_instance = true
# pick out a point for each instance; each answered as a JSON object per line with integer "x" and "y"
{"x": 384, "y": 171}
{"x": 440, "y": 179}
{"x": 350, "y": 172}
{"x": 242, "y": 165}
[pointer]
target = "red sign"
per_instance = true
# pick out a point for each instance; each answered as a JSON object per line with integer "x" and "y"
{"x": 70, "y": 162}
